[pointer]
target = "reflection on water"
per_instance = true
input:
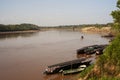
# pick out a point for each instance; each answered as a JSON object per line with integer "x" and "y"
{"x": 25, "y": 56}
{"x": 8, "y": 36}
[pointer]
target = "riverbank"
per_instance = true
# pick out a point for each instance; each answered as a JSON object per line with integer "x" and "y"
{"x": 103, "y": 30}
{"x": 96, "y": 30}
{"x": 18, "y": 32}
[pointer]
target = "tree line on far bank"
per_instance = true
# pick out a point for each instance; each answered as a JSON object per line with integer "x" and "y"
{"x": 20, "y": 27}
{"x": 86, "y": 25}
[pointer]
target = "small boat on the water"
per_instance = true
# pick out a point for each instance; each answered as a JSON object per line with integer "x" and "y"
{"x": 90, "y": 49}
{"x": 73, "y": 71}
{"x": 67, "y": 65}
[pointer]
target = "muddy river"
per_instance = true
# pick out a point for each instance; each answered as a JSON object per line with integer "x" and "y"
{"x": 25, "y": 56}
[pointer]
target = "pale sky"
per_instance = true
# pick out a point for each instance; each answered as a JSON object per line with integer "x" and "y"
{"x": 56, "y": 12}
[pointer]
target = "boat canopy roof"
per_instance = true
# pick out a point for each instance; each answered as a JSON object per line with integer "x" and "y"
{"x": 68, "y": 62}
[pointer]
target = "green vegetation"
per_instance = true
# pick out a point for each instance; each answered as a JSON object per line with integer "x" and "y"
{"x": 21, "y": 27}
{"x": 109, "y": 62}
{"x": 116, "y": 17}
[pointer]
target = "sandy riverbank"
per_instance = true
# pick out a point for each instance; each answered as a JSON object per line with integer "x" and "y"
{"x": 97, "y": 30}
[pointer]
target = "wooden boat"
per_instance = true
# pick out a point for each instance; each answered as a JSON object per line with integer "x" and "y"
{"x": 66, "y": 65}
{"x": 90, "y": 49}
{"x": 73, "y": 71}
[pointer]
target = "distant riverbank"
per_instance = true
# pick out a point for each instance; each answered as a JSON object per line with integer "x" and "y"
{"x": 25, "y": 28}
{"x": 105, "y": 30}
{"x": 82, "y": 29}
{"x": 97, "y": 30}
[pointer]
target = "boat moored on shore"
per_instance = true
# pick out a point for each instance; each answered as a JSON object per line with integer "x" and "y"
{"x": 74, "y": 64}
{"x": 90, "y": 49}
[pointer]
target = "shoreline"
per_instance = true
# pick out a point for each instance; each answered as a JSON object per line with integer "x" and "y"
{"x": 92, "y": 29}
{"x": 18, "y": 32}
{"x": 96, "y": 30}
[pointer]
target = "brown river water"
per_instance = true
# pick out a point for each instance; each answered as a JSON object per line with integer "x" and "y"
{"x": 25, "y": 56}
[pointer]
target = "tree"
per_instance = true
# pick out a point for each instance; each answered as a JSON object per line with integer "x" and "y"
{"x": 116, "y": 16}
{"x": 118, "y": 4}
